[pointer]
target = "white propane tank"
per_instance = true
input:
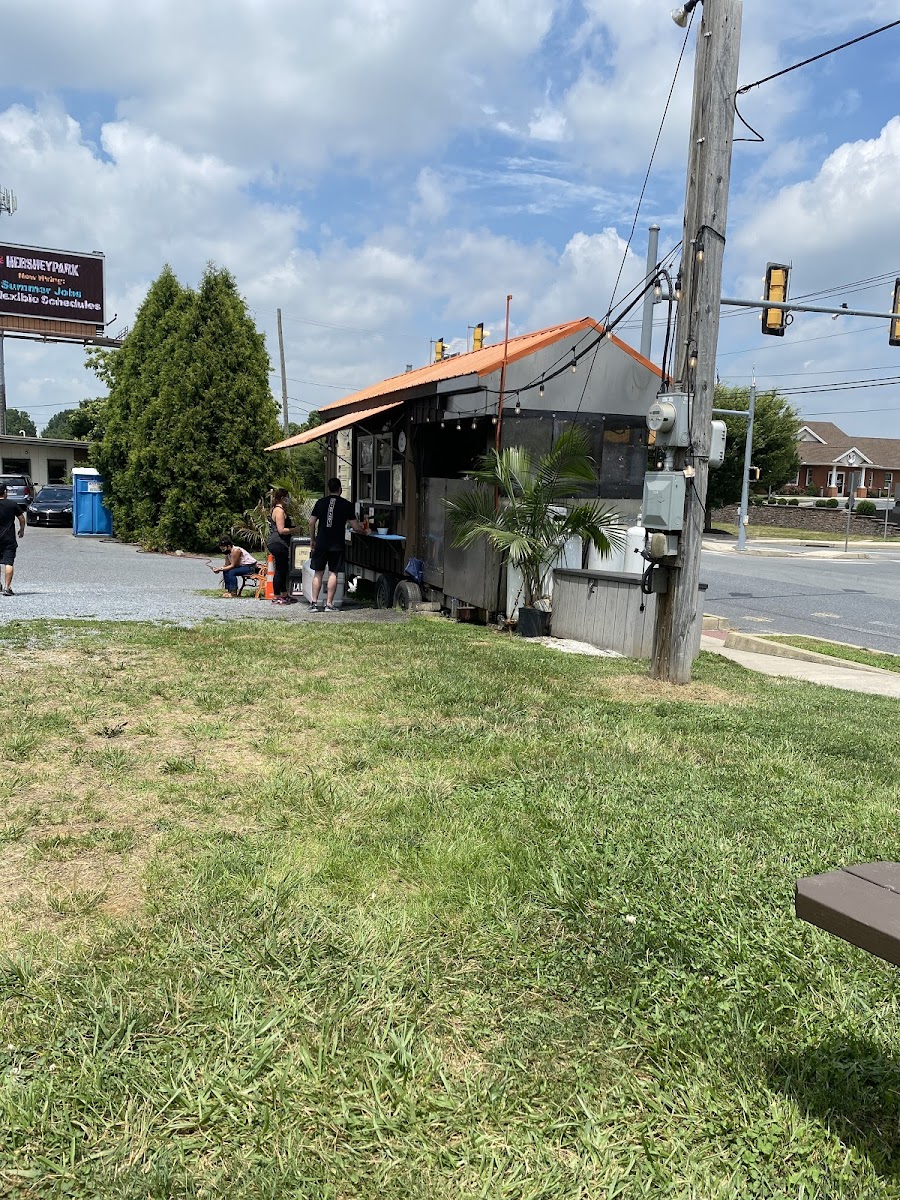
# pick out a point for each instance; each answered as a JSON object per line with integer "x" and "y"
{"x": 615, "y": 560}
{"x": 634, "y": 543}
{"x": 308, "y": 573}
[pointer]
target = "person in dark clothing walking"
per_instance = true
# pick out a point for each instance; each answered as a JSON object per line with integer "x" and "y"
{"x": 332, "y": 514}
{"x": 279, "y": 544}
{"x": 9, "y": 513}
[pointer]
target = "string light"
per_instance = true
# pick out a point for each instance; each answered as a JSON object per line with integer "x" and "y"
{"x": 678, "y": 285}
{"x": 458, "y": 426}
{"x": 657, "y": 289}
{"x": 541, "y": 391}
{"x": 692, "y": 361}
{"x": 574, "y": 363}
{"x": 700, "y": 252}
{"x": 494, "y": 419}
{"x": 474, "y": 423}
{"x": 518, "y": 407}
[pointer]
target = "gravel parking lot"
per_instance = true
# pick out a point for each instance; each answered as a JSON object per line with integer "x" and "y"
{"x": 59, "y": 576}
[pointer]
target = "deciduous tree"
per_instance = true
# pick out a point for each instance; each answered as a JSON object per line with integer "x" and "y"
{"x": 775, "y": 429}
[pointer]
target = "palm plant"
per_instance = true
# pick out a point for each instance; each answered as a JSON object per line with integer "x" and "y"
{"x": 525, "y": 509}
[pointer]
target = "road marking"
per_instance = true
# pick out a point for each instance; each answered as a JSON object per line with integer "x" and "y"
{"x": 760, "y": 620}
{"x": 837, "y": 616}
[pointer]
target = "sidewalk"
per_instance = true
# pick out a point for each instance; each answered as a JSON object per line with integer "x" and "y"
{"x": 799, "y": 547}
{"x": 767, "y": 659}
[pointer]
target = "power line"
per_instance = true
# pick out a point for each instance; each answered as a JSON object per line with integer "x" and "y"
{"x": 748, "y": 87}
{"x": 649, "y": 167}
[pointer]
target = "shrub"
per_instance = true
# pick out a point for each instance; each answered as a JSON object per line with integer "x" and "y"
{"x": 791, "y": 489}
{"x": 781, "y": 500}
{"x": 821, "y": 504}
{"x": 865, "y": 508}
{"x": 755, "y": 500}
{"x": 794, "y": 501}
{"x": 833, "y": 502}
{"x": 812, "y": 490}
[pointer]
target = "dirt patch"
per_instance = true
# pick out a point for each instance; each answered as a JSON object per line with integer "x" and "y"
{"x": 638, "y": 689}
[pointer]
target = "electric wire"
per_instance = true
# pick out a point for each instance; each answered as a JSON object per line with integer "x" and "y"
{"x": 748, "y": 87}
{"x": 650, "y": 167}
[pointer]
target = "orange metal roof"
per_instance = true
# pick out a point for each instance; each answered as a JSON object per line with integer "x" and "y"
{"x": 350, "y": 418}
{"x": 482, "y": 362}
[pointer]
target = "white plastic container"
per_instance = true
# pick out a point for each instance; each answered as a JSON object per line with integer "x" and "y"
{"x": 614, "y": 561}
{"x": 633, "y": 563}
{"x": 307, "y": 586}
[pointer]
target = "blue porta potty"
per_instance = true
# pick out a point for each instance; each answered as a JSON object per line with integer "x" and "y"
{"x": 90, "y": 516}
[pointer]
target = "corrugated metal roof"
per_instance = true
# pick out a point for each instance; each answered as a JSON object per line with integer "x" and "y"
{"x": 350, "y": 418}
{"x": 482, "y": 362}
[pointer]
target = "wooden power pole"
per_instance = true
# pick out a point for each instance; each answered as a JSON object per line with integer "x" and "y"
{"x": 679, "y": 611}
{"x": 284, "y": 395}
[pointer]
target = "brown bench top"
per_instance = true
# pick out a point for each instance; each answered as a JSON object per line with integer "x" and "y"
{"x": 860, "y": 904}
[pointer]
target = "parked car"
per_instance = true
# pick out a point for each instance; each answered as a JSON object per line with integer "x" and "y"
{"x": 53, "y": 506}
{"x": 18, "y": 487}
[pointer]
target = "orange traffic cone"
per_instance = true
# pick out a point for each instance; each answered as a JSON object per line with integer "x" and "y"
{"x": 270, "y": 579}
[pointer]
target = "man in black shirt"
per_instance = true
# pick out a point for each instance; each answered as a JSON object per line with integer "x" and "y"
{"x": 326, "y": 545}
{"x": 9, "y": 512}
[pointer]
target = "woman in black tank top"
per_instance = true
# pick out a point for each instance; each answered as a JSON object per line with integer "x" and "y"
{"x": 279, "y": 544}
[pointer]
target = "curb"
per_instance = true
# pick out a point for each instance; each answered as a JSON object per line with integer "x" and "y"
{"x": 757, "y": 645}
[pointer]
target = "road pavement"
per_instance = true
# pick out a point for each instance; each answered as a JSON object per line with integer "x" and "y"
{"x": 797, "y": 591}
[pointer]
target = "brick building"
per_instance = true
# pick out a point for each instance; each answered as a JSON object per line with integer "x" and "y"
{"x": 833, "y": 462}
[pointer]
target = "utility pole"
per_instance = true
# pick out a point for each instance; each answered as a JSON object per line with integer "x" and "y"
{"x": 649, "y": 297}
{"x": 284, "y": 395}
{"x": 697, "y": 325}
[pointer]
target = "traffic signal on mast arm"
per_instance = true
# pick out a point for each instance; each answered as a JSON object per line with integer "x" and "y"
{"x": 895, "y": 309}
{"x": 439, "y": 349}
{"x": 774, "y": 320}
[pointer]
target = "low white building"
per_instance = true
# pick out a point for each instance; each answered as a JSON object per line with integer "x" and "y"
{"x": 46, "y": 460}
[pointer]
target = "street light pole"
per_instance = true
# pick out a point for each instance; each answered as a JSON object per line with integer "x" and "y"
{"x": 748, "y": 458}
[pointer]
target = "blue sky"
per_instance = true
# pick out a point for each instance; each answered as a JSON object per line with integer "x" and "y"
{"x": 387, "y": 171}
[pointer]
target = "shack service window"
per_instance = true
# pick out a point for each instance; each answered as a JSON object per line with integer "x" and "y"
{"x": 57, "y": 469}
{"x": 378, "y": 479}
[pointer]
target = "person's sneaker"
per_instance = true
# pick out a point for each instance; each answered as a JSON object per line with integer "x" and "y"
{"x": 330, "y": 608}
{"x": 7, "y": 592}
{"x": 314, "y": 608}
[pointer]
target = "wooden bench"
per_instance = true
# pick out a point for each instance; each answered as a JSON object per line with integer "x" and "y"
{"x": 860, "y": 904}
{"x": 257, "y": 581}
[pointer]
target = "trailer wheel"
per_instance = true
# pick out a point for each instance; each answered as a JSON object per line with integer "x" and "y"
{"x": 406, "y": 595}
{"x": 384, "y": 590}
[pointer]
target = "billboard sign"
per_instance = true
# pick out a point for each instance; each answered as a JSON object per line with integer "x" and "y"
{"x": 53, "y": 285}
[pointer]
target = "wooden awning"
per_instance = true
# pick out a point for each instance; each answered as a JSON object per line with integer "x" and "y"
{"x": 343, "y": 422}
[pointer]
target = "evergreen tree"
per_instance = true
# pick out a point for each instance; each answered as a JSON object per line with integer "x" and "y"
{"x": 188, "y": 416}
{"x": 775, "y": 429}
{"x": 17, "y": 421}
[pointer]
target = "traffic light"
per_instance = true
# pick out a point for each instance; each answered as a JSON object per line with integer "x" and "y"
{"x": 895, "y": 309}
{"x": 478, "y": 335}
{"x": 439, "y": 349}
{"x": 753, "y": 474}
{"x": 774, "y": 320}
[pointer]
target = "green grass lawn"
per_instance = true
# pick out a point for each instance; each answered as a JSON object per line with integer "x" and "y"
{"x": 872, "y": 658}
{"x": 421, "y": 911}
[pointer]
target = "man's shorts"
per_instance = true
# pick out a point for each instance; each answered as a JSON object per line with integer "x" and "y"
{"x": 8, "y": 552}
{"x": 333, "y": 559}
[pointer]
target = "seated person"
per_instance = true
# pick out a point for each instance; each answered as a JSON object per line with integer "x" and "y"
{"x": 238, "y": 564}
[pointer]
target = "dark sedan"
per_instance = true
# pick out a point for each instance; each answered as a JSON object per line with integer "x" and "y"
{"x": 51, "y": 506}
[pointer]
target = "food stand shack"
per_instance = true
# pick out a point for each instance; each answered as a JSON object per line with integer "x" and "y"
{"x": 403, "y": 446}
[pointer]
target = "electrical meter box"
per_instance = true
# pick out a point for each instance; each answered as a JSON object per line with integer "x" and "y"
{"x": 664, "y": 493}
{"x": 669, "y": 419}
